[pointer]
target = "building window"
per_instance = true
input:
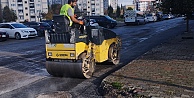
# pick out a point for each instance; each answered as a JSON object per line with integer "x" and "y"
{"x": 32, "y": 16}
{"x": 26, "y": 14}
{"x": 93, "y": 10}
{"x": 12, "y": 4}
{"x": 21, "y": 17}
{"x": 19, "y": 0}
{"x": 20, "y": 11}
{"x": 38, "y": 5}
{"x": 20, "y": 5}
{"x": 26, "y": 8}
{"x": 25, "y": 1}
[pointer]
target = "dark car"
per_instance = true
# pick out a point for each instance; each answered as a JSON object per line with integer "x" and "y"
{"x": 104, "y": 21}
{"x": 40, "y": 27}
{"x": 3, "y": 36}
{"x": 50, "y": 22}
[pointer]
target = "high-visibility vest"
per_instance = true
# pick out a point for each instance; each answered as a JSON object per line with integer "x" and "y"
{"x": 64, "y": 10}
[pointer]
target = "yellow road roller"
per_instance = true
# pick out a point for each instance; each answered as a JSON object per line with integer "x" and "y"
{"x": 92, "y": 45}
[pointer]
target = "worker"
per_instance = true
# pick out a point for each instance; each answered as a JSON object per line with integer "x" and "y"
{"x": 68, "y": 10}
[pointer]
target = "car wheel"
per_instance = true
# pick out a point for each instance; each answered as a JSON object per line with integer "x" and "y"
{"x": 138, "y": 23}
{"x": 17, "y": 36}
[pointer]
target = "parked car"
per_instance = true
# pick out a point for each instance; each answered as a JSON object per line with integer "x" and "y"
{"x": 50, "y": 22}
{"x": 151, "y": 17}
{"x": 18, "y": 30}
{"x": 159, "y": 16}
{"x": 168, "y": 16}
{"x": 40, "y": 27}
{"x": 3, "y": 35}
{"x": 104, "y": 20}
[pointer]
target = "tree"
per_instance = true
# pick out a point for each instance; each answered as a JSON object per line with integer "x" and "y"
{"x": 118, "y": 12}
{"x": 183, "y": 7}
{"x": 1, "y": 16}
{"x": 49, "y": 15}
{"x": 9, "y": 15}
{"x": 110, "y": 11}
{"x": 14, "y": 16}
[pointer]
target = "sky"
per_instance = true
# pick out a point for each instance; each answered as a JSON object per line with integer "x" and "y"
{"x": 125, "y": 2}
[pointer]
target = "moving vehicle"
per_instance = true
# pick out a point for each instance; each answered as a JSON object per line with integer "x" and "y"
{"x": 3, "y": 35}
{"x": 18, "y": 30}
{"x": 93, "y": 45}
{"x": 103, "y": 20}
{"x": 40, "y": 27}
{"x": 134, "y": 17}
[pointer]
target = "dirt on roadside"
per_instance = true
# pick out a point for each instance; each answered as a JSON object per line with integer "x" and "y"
{"x": 165, "y": 71}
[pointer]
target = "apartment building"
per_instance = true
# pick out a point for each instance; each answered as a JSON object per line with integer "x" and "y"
{"x": 92, "y": 7}
{"x": 112, "y": 3}
{"x": 62, "y": 2}
{"x": 145, "y": 5}
{"x": 27, "y": 9}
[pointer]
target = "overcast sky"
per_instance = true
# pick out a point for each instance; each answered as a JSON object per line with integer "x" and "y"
{"x": 125, "y": 2}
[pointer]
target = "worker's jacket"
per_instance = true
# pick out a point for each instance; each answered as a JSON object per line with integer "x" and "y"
{"x": 64, "y": 10}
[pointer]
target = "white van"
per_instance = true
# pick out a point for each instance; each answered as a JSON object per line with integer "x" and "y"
{"x": 132, "y": 16}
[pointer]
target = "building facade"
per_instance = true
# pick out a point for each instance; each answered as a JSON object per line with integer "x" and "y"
{"x": 27, "y": 9}
{"x": 62, "y": 2}
{"x": 91, "y": 7}
{"x": 145, "y": 5}
{"x": 112, "y": 3}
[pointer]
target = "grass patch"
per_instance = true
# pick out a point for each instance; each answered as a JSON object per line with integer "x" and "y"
{"x": 119, "y": 19}
{"x": 117, "y": 85}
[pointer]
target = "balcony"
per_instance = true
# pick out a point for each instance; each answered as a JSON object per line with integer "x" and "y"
{"x": 32, "y": 14}
{"x": 20, "y": 14}
{"x": 33, "y": 19}
{"x": 20, "y": 7}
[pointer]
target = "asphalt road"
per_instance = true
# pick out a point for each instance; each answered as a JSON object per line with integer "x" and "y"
{"x": 22, "y": 62}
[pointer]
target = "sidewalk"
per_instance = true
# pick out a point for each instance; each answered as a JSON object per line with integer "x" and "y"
{"x": 166, "y": 71}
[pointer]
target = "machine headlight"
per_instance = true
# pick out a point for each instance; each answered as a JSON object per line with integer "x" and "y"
{"x": 23, "y": 31}
{"x": 72, "y": 54}
{"x": 49, "y": 53}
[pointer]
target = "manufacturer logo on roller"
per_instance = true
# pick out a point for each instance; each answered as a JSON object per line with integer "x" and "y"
{"x": 61, "y": 55}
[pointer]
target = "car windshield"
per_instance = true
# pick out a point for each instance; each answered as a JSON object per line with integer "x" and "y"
{"x": 17, "y": 25}
{"x": 92, "y": 20}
